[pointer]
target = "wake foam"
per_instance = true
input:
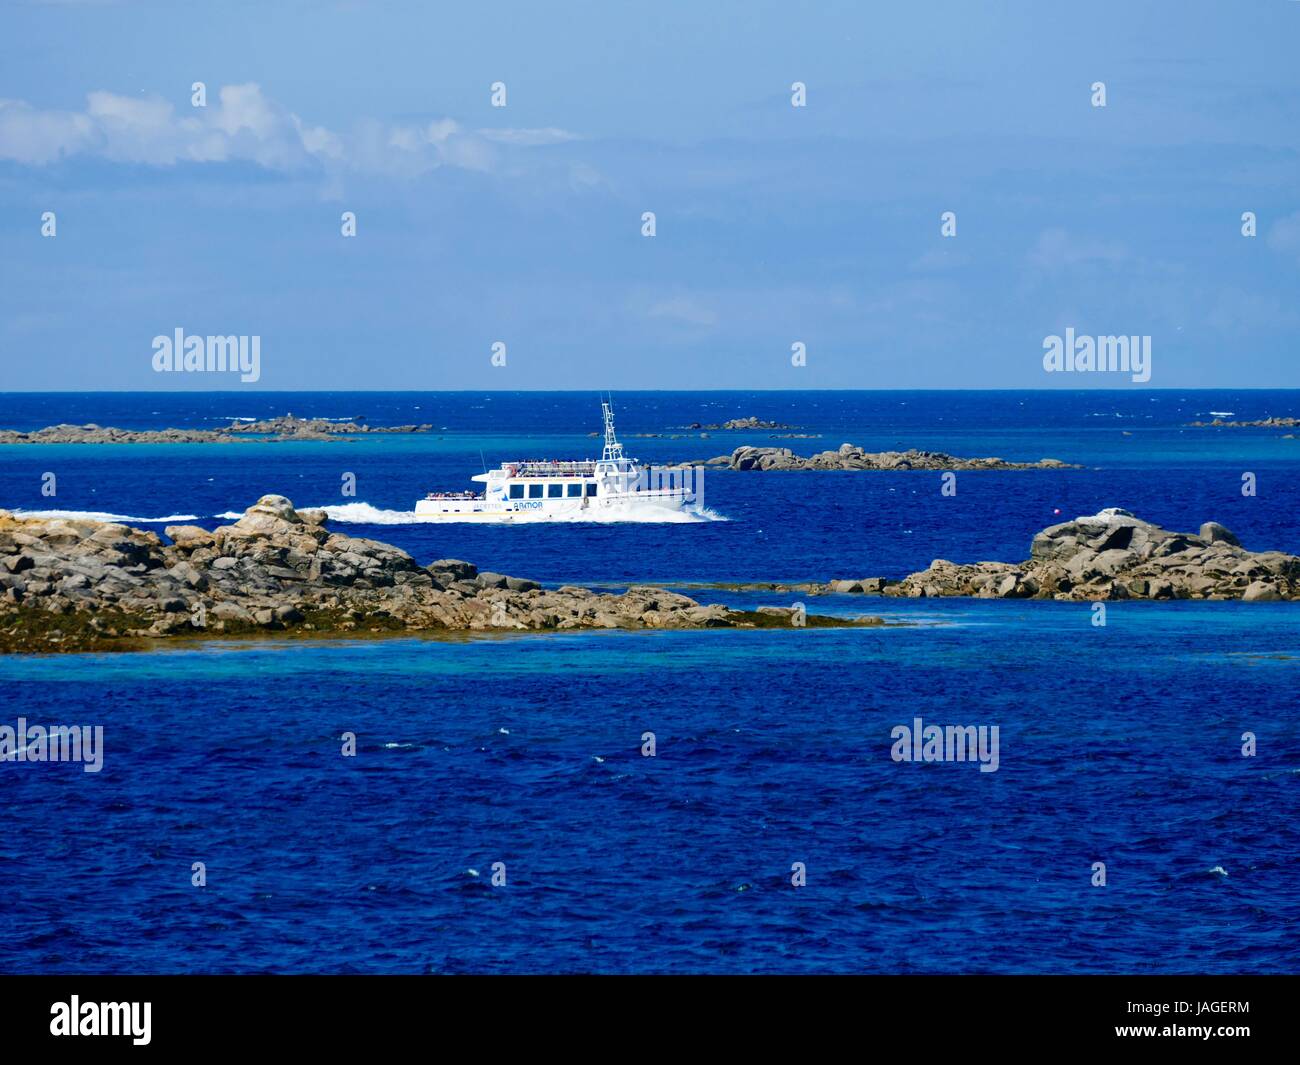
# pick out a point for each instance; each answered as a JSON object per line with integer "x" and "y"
{"x": 365, "y": 514}
{"x": 101, "y": 515}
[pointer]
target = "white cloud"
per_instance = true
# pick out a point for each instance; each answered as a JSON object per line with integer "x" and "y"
{"x": 41, "y": 137}
{"x": 319, "y": 141}
{"x": 1056, "y": 248}
{"x": 529, "y": 138}
{"x": 439, "y": 131}
{"x": 243, "y": 124}
{"x": 243, "y": 107}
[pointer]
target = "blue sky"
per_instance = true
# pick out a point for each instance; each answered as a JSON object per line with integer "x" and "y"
{"x": 775, "y": 224}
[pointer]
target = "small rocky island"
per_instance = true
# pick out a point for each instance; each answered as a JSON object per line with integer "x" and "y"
{"x": 742, "y": 423}
{"x": 1110, "y": 555}
{"x": 1262, "y": 423}
{"x": 273, "y": 429}
{"x": 70, "y": 585}
{"x": 851, "y": 457}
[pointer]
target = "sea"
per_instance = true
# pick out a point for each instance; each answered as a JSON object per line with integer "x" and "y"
{"x": 677, "y": 802}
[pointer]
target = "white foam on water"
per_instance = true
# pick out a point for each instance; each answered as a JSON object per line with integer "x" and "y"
{"x": 365, "y": 514}
{"x": 100, "y": 515}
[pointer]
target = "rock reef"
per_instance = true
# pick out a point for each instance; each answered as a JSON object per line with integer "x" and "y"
{"x": 743, "y": 423}
{"x": 78, "y": 585}
{"x": 276, "y": 429}
{"x": 1110, "y": 555}
{"x": 851, "y": 457}
{"x": 1263, "y": 423}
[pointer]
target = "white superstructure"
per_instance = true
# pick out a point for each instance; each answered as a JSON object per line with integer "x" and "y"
{"x": 607, "y": 488}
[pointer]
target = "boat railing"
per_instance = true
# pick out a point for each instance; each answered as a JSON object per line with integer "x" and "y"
{"x": 543, "y": 468}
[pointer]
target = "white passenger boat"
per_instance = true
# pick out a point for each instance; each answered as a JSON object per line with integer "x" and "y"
{"x": 611, "y": 488}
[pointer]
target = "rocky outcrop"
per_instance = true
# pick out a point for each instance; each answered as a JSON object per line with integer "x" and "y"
{"x": 743, "y": 423}
{"x": 72, "y": 585}
{"x": 851, "y": 457}
{"x": 286, "y": 428}
{"x": 1114, "y": 555}
{"x": 291, "y": 428}
{"x": 91, "y": 433}
{"x": 1263, "y": 423}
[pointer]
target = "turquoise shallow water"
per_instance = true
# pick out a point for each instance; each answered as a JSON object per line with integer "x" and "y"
{"x": 1119, "y": 744}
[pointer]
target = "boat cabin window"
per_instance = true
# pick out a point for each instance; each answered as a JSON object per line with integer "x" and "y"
{"x": 554, "y": 491}
{"x": 535, "y": 491}
{"x": 591, "y": 488}
{"x": 575, "y": 488}
{"x": 516, "y": 491}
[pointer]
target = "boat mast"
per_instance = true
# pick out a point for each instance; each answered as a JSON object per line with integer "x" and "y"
{"x": 613, "y": 449}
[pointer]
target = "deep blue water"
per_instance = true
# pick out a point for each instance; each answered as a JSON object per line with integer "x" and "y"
{"x": 1118, "y": 744}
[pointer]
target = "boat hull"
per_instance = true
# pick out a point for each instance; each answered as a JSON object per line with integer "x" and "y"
{"x": 635, "y": 506}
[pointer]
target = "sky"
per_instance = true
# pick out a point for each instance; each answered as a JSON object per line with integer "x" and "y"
{"x": 522, "y": 224}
